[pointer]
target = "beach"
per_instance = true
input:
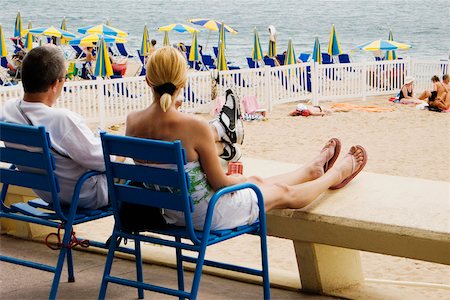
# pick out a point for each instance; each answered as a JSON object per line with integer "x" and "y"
{"x": 405, "y": 142}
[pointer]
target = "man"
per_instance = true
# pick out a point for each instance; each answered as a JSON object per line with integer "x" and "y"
{"x": 74, "y": 146}
{"x": 446, "y": 82}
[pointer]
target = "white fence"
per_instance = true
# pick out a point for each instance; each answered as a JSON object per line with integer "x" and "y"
{"x": 109, "y": 101}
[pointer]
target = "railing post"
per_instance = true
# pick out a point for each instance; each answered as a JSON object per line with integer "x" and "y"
{"x": 101, "y": 101}
{"x": 268, "y": 92}
{"x": 315, "y": 83}
{"x": 364, "y": 80}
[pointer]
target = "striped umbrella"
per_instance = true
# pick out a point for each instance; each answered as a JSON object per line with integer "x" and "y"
{"x": 102, "y": 63}
{"x": 178, "y": 27}
{"x": 18, "y": 26}
{"x": 29, "y": 38}
{"x": 194, "y": 54}
{"x": 290, "y": 54}
{"x": 222, "y": 36}
{"x": 317, "y": 54}
{"x": 51, "y": 31}
{"x": 166, "y": 39}
{"x": 221, "y": 61}
{"x": 383, "y": 45}
{"x": 334, "y": 47}
{"x": 108, "y": 23}
{"x": 3, "y": 51}
{"x": 390, "y": 54}
{"x": 145, "y": 45}
{"x": 211, "y": 25}
{"x": 257, "y": 54}
{"x": 90, "y": 39}
{"x": 102, "y": 29}
{"x": 64, "y": 27}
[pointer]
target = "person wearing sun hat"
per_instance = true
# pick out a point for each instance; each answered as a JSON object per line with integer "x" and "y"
{"x": 407, "y": 92}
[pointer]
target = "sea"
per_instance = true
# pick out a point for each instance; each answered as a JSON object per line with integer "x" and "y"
{"x": 424, "y": 24}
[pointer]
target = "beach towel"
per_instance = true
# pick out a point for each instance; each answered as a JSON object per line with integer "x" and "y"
{"x": 250, "y": 104}
{"x": 220, "y": 101}
{"x": 368, "y": 108}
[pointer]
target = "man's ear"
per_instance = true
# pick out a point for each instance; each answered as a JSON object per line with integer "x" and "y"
{"x": 54, "y": 86}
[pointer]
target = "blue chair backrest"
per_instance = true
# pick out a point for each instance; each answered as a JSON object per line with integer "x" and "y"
{"x": 28, "y": 148}
{"x": 188, "y": 49}
{"x": 377, "y": 58}
{"x": 344, "y": 58}
{"x": 141, "y": 57}
{"x": 251, "y": 63}
{"x": 172, "y": 182}
{"x": 4, "y": 62}
{"x": 326, "y": 58}
{"x": 79, "y": 51}
{"x": 207, "y": 60}
{"x": 268, "y": 61}
{"x": 304, "y": 57}
{"x": 281, "y": 58}
{"x": 216, "y": 51}
{"x": 122, "y": 50}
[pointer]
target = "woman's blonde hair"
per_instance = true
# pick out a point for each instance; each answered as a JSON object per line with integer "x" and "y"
{"x": 166, "y": 73}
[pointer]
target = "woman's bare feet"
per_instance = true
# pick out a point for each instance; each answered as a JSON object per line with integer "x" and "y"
{"x": 325, "y": 160}
{"x": 353, "y": 162}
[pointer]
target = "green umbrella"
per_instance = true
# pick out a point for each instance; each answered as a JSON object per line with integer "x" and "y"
{"x": 334, "y": 47}
{"x": 317, "y": 54}
{"x": 64, "y": 27}
{"x": 166, "y": 39}
{"x": 390, "y": 54}
{"x": 221, "y": 61}
{"x": 194, "y": 54}
{"x": 102, "y": 63}
{"x": 18, "y": 26}
{"x": 290, "y": 54}
{"x": 257, "y": 54}
{"x": 3, "y": 51}
{"x": 145, "y": 45}
{"x": 29, "y": 39}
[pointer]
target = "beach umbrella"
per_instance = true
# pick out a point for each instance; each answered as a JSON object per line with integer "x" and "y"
{"x": 290, "y": 54}
{"x": 194, "y": 54}
{"x": 18, "y": 26}
{"x": 222, "y": 37}
{"x": 213, "y": 25}
{"x": 145, "y": 45}
{"x": 221, "y": 61}
{"x": 90, "y": 39}
{"x": 3, "y": 51}
{"x": 103, "y": 66}
{"x": 272, "y": 41}
{"x": 29, "y": 39}
{"x": 390, "y": 54}
{"x": 178, "y": 27}
{"x": 317, "y": 54}
{"x": 64, "y": 27}
{"x": 383, "y": 45}
{"x": 102, "y": 29}
{"x": 334, "y": 47}
{"x": 166, "y": 39}
{"x": 108, "y": 23}
{"x": 52, "y": 32}
{"x": 257, "y": 54}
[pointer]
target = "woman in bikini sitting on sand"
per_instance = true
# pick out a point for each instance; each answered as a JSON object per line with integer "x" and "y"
{"x": 166, "y": 76}
{"x": 407, "y": 93}
{"x": 439, "y": 97}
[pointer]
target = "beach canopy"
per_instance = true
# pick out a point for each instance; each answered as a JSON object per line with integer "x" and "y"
{"x": 383, "y": 45}
{"x": 29, "y": 39}
{"x": 50, "y": 31}
{"x": 194, "y": 54}
{"x": 166, "y": 39}
{"x": 257, "y": 53}
{"x": 89, "y": 39}
{"x": 290, "y": 54}
{"x": 178, "y": 27}
{"x": 334, "y": 47}
{"x": 317, "y": 54}
{"x": 212, "y": 25}
{"x": 145, "y": 44}
{"x": 221, "y": 61}
{"x": 103, "y": 66}
{"x": 18, "y": 26}
{"x": 102, "y": 29}
{"x": 390, "y": 54}
{"x": 3, "y": 51}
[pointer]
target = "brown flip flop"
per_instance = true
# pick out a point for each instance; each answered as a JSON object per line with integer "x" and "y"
{"x": 333, "y": 159}
{"x": 355, "y": 171}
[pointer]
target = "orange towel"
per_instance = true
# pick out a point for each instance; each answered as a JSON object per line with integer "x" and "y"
{"x": 369, "y": 108}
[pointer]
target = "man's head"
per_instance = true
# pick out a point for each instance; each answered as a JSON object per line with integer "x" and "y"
{"x": 42, "y": 68}
{"x": 446, "y": 78}
{"x": 153, "y": 42}
{"x": 435, "y": 78}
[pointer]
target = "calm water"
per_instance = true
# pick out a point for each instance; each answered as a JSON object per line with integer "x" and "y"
{"x": 422, "y": 23}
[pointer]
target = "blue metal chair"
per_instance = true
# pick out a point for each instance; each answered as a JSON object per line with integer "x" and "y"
{"x": 344, "y": 58}
{"x": 326, "y": 58}
{"x": 268, "y": 61}
{"x": 304, "y": 57}
{"x": 251, "y": 63}
{"x": 208, "y": 61}
{"x": 173, "y": 194}
{"x": 123, "y": 51}
{"x": 281, "y": 58}
{"x": 29, "y": 148}
{"x": 216, "y": 51}
{"x": 79, "y": 52}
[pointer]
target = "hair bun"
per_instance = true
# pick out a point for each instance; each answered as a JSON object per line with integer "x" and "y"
{"x": 167, "y": 87}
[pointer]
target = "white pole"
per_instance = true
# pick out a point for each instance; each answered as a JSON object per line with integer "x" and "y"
{"x": 363, "y": 80}
{"x": 101, "y": 101}
{"x": 315, "y": 83}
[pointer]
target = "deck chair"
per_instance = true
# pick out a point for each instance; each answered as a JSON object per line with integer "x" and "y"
{"x": 268, "y": 61}
{"x": 304, "y": 57}
{"x": 123, "y": 50}
{"x": 251, "y": 63}
{"x": 326, "y": 58}
{"x": 344, "y": 58}
{"x": 216, "y": 51}
{"x": 79, "y": 52}
{"x": 28, "y": 153}
{"x": 174, "y": 196}
{"x": 208, "y": 62}
{"x": 281, "y": 58}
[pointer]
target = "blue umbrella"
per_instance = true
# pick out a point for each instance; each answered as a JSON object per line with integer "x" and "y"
{"x": 390, "y": 54}
{"x": 102, "y": 63}
{"x": 317, "y": 54}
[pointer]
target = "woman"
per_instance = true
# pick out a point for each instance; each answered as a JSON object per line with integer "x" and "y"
{"x": 166, "y": 76}
{"x": 407, "y": 94}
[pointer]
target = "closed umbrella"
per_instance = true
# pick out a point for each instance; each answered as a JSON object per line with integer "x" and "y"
{"x": 29, "y": 39}
{"x": 102, "y": 63}
{"x": 290, "y": 54}
{"x": 89, "y": 39}
{"x": 145, "y": 45}
{"x": 18, "y": 26}
{"x": 194, "y": 54}
{"x": 222, "y": 36}
{"x": 102, "y": 29}
{"x": 272, "y": 41}
{"x": 317, "y": 54}
{"x": 257, "y": 54}
{"x": 3, "y": 51}
{"x": 390, "y": 54}
{"x": 166, "y": 39}
{"x": 334, "y": 47}
{"x": 64, "y": 27}
{"x": 221, "y": 61}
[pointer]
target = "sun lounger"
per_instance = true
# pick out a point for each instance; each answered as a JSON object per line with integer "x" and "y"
{"x": 304, "y": 57}
{"x": 281, "y": 58}
{"x": 344, "y": 58}
{"x": 268, "y": 61}
{"x": 326, "y": 58}
{"x": 123, "y": 50}
{"x": 251, "y": 63}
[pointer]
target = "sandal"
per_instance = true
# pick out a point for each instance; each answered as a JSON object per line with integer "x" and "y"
{"x": 231, "y": 152}
{"x": 230, "y": 118}
{"x": 355, "y": 171}
{"x": 337, "y": 149}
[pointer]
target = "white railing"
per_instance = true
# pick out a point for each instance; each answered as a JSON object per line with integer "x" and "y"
{"x": 107, "y": 101}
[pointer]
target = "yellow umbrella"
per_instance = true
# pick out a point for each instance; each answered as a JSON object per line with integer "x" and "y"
{"x": 194, "y": 54}
{"x": 102, "y": 29}
{"x": 102, "y": 63}
{"x": 334, "y": 47}
{"x": 221, "y": 61}
{"x": 257, "y": 54}
{"x": 64, "y": 27}
{"x": 166, "y": 39}
{"x": 3, "y": 51}
{"x": 29, "y": 39}
{"x": 178, "y": 27}
{"x": 18, "y": 26}
{"x": 145, "y": 45}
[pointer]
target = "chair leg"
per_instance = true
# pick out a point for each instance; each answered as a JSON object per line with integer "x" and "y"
{"x": 180, "y": 273}
{"x": 198, "y": 271}
{"x": 71, "y": 275}
{"x": 139, "y": 274}
{"x": 109, "y": 260}
{"x": 265, "y": 265}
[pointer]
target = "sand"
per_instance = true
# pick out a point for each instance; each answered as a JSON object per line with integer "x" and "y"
{"x": 405, "y": 142}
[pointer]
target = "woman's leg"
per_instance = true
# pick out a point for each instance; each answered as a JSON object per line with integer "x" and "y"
{"x": 300, "y": 195}
{"x": 425, "y": 95}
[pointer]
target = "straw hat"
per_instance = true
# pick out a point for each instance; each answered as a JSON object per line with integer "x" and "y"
{"x": 409, "y": 79}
